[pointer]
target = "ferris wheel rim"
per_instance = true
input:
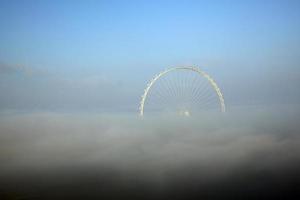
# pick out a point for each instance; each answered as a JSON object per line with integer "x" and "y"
{"x": 190, "y": 68}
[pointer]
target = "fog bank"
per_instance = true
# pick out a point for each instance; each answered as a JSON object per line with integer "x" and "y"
{"x": 199, "y": 154}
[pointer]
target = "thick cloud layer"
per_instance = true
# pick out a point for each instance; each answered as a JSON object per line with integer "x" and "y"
{"x": 243, "y": 154}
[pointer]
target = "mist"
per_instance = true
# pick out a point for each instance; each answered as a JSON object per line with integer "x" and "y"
{"x": 248, "y": 153}
{"x": 72, "y": 74}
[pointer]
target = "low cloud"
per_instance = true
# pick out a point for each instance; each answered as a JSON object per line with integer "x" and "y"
{"x": 20, "y": 69}
{"x": 208, "y": 152}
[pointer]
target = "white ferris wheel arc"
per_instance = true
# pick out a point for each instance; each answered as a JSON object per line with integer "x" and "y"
{"x": 194, "y": 69}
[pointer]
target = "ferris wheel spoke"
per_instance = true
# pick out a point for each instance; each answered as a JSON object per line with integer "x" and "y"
{"x": 203, "y": 100}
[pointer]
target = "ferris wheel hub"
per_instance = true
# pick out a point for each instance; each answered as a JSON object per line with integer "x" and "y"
{"x": 184, "y": 113}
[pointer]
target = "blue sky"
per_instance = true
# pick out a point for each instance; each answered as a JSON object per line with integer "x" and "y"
{"x": 249, "y": 47}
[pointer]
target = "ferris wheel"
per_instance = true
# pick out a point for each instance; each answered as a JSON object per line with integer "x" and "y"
{"x": 183, "y": 91}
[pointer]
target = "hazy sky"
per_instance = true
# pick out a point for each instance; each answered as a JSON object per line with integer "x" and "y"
{"x": 100, "y": 54}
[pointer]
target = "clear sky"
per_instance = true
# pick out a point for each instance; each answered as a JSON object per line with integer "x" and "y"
{"x": 80, "y": 54}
